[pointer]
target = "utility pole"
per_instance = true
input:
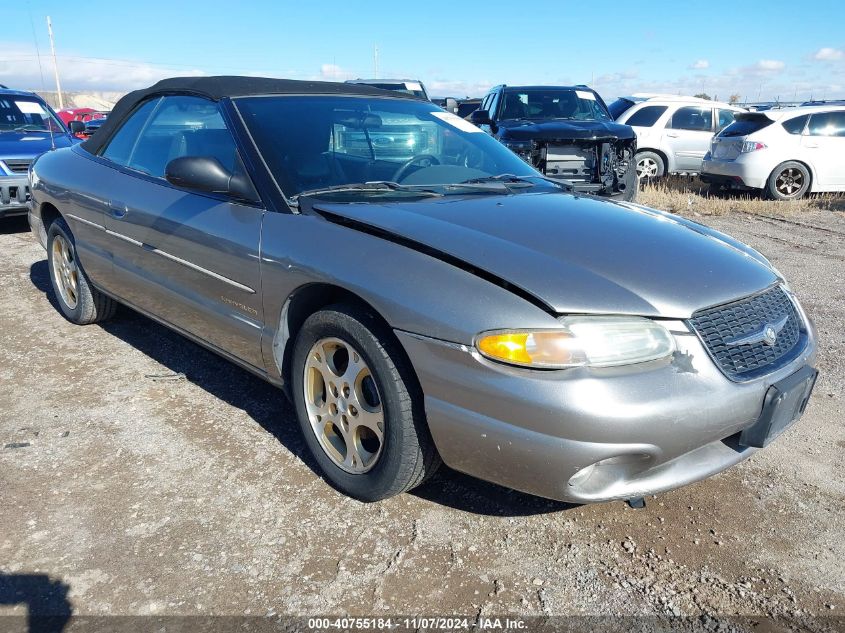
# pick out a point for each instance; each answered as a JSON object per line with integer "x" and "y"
{"x": 375, "y": 61}
{"x": 55, "y": 64}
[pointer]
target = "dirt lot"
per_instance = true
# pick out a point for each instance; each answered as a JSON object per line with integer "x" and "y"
{"x": 141, "y": 474}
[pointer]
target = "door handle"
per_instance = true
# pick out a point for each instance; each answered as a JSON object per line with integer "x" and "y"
{"x": 118, "y": 210}
{"x": 672, "y": 134}
{"x": 811, "y": 146}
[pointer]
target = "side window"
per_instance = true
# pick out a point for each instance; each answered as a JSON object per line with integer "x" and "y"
{"x": 647, "y": 116}
{"x": 485, "y": 103}
{"x": 183, "y": 126}
{"x": 796, "y": 124}
{"x": 692, "y": 118}
{"x": 119, "y": 148}
{"x": 726, "y": 117}
{"x": 494, "y": 104}
{"x": 827, "y": 124}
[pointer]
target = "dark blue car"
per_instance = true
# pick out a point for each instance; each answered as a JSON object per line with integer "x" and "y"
{"x": 28, "y": 128}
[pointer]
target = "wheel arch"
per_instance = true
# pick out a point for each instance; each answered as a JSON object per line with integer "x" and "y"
{"x": 660, "y": 153}
{"x": 48, "y": 213}
{"x": 807, "y": 165}
{"x": 305, "y": 301}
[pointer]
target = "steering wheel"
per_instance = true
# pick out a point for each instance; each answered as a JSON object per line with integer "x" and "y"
{"x": 419, "y": 158}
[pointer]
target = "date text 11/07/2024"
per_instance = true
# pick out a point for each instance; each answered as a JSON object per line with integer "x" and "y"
{"x": 415, "y": 624}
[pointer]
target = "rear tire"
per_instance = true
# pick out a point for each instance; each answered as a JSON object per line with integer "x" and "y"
{"x": 788, "y": 181}
{"x": 359, "y": 406}
{"x": 79, "y": 301}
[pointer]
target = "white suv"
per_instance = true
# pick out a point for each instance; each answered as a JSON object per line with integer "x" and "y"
{"x": 786, "y": 152}
{"x": 673, "y": 133}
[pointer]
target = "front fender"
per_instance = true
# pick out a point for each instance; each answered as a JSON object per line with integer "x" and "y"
{"x": 412, "y": 291}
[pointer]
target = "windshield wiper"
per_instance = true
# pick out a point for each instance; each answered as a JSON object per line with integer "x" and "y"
{"x": 371, "y": 186}
{"x": 511, "y": 181}
{"x": 28, "y": 128}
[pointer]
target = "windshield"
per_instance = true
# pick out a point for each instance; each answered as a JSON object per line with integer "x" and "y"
{"x": 318, "y": 142}
{"x": 619, "y": 107}
{"x": 27, "y": 114}
{"x": 552, "y": 103}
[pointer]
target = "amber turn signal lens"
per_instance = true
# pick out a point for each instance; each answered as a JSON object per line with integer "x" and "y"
{"x": 536, "y": 349}
{"x": 509, "y": 347}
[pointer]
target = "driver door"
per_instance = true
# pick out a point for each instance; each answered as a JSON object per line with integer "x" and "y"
{"x": 188, "y": 258}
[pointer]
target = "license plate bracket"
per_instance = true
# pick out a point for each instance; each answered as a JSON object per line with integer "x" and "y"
{"x": 783, "y": 404}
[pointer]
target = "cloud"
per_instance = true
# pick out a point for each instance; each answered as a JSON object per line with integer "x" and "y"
{"x": 700, "y": 64}
{"x": 333, "y": 72}
{"x": 19, "y": 68}
{"x": 828, "y": 54}
{"x": 769, "y": 65}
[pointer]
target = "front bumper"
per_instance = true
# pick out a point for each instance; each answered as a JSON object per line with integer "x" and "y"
{"x": 654, "y": 427}
{"x": 14, "y": 195}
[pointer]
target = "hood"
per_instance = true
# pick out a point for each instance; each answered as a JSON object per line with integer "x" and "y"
{"x": 557, "y": 129}
{"x": 578, "y": 254}
{"x": 29, "y": 145}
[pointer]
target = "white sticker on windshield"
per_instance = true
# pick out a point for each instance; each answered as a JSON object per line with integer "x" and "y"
{"x": 29, "y": 107}
{"x": 583, "y": 94}
{"x": 413, "y": 85}
{"x": 456, "y": 121}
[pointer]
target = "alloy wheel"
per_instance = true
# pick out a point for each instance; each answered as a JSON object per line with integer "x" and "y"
{"x": 789, "y": 182}
{"x": 344, "y": 406}
{"x": 646, "y": 168}
{"x": 65, "y": 271}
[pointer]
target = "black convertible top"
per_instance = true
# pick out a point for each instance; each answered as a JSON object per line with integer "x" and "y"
{"x": 216, "y": 88}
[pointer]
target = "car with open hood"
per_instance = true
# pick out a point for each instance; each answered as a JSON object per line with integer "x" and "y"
{"x": 454, "y": 305}
{"x": 28, "y": 127}
{"x": 565, "y": 132}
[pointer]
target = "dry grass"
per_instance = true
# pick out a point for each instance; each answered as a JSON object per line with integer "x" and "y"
{"x": 690, "y": 196}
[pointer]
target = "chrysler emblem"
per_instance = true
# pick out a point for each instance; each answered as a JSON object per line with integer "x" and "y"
{"x": 767, "y": 334}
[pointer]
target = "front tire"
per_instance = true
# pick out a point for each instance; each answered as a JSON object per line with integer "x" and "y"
{"x": 628, "y": 186}
{"x": 788, "y": 181}
{"x": 78, "y": 300}
{"x": 359, "y": 405}
{"x": 650, "y": 166}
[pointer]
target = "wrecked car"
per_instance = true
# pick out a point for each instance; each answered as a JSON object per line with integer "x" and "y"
{"x": 566, "y": 133}
{"x": 453, "y": 305}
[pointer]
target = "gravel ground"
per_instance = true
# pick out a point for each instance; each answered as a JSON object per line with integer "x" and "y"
{"x": 141, "y": 474}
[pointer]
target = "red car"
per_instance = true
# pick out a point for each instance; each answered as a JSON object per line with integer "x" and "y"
{"x": 85, "y": 115}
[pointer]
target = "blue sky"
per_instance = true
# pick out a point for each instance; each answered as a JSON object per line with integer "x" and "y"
{"x": 755, "y": 49}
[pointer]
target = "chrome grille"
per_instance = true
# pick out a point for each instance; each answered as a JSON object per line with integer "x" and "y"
{"x": 721, "y": 326}
{"x": 17, "y": 166}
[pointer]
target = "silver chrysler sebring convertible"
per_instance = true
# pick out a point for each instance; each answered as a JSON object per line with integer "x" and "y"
{"x": 421, "y": 293}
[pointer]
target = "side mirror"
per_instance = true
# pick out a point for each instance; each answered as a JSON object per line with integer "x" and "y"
{"x": 206, "y": 174}
{"x": 76, "y": 127}
{"x": 480, "y": 117}
{"x": 451, "y": 105}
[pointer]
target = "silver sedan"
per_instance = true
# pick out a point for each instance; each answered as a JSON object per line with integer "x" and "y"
{"x": 421, "y": 293}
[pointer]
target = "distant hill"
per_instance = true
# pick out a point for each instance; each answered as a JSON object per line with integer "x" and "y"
{"x": 95, "y": 100}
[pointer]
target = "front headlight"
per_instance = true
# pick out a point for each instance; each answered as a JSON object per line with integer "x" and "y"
{"x": 523, "y": 149}
{"x": 595, "y": 341}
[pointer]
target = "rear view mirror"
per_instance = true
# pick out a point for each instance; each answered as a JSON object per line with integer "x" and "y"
{"x": 451, "y": 105}
{"x": 76, "y": 127}
{"x": 480, "y": 117}
{"x": 358, "y": 120}
{"x": 206, "y": 174}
